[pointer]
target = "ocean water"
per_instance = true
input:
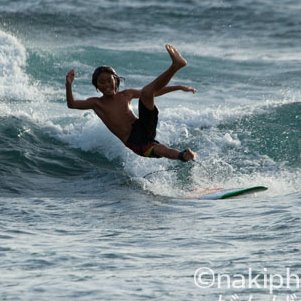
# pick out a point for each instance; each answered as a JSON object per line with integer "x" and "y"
{"x": 83, "y": 218}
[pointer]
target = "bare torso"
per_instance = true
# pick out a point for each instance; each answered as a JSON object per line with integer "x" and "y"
{"x": 116, "y": 113}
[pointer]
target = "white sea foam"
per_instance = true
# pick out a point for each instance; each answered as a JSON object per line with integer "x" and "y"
{"x": 15, "y": 84}
{"x": 214, "y": 169}
{"x": 235, "y": 50}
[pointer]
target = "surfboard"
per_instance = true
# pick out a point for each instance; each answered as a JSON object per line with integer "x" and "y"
{"x": 231, "y": 193}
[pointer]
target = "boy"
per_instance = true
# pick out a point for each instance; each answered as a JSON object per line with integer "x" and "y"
{"x": 114, "y": 109}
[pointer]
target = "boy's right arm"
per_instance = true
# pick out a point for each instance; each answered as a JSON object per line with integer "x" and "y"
{"x": 76, "y": 104}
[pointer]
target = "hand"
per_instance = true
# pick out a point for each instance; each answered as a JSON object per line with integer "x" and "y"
{"x": 189, "y": 155}
{"x": 70, "y": 77}
{"x": 188, "y": 89}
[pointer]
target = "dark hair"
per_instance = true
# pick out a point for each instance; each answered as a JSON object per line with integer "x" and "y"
{"x": 105, "y": 69}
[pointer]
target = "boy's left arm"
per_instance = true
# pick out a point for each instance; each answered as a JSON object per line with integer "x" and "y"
{"x": 168, "y": 89}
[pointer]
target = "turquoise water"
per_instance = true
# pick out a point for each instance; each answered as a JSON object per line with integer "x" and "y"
{"x": 79, "y": 218}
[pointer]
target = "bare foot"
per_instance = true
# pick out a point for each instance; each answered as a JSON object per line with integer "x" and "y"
{"x": 189, "y": 155}
{"x": 177, "y": 60}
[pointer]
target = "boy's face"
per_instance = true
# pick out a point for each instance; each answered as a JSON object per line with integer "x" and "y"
{"x": 106, "y": 84}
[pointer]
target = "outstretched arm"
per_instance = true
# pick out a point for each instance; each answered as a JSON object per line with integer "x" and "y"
{"x": 76, "y": 104}
{"x": 168, "y": 89}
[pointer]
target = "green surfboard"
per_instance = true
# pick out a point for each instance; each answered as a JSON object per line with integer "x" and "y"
{"x": 231, "y": 193}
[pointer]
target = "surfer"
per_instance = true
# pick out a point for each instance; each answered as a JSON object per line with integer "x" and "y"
{"x": 114, "y": 108}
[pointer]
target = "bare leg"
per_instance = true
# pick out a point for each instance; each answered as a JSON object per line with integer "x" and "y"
{"x": 170, "y": 153}
{"x": 148, "y": 92}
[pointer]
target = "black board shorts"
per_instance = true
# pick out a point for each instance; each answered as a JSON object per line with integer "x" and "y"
{"x": 142, "y": 137}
